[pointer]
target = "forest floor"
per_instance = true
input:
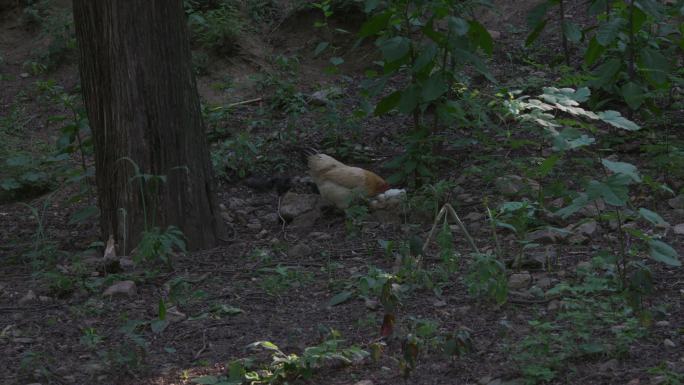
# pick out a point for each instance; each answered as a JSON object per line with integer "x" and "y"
{"x": 299, "y": 286}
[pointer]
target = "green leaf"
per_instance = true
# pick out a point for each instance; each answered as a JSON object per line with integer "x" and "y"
{"x": 623, "y": 168}
{"x": 608, "y": 31}
{"x": 425, "y": 57}
{"x": 458, "y": 26}
{"x": 10, "y": 184}
{"x": 206, "y": 380}
{"x": 375, "y": 24}
{"x": 616, "y": 120}
{"x": 535, "y": 33}
{"x": 572, "y": 32}
{"x": 651, "y": 7}
{"x": 594, "y": 51}
{"x": 320, "y": 48}
{"x": 480, "y": 35}
{"x": 18, "y": 161}
{"x": 34, "y": 176}
{"x": 387, "y": 103}
{"x": 633, "y": 94}
{"x": 159, "y": 325}
{"x": 340, "y": 298}
{"x": 614, "y": 191}
{"x": 395, "y": 48}
{"x": 264, "y": 344}
{"x": 538, "y": 14}
{"x": 655, "y": 65}
{"x": 409, "y": 99}
{"x": 83, "y": 214}
{"x": 605, "y": 73}
{"x": 652, "y": 217}
{"x": 336, "y": 61}
{"x": 662, "y": 252}
{"x": 547, "y": 165}
{"x": 433, "y": 88}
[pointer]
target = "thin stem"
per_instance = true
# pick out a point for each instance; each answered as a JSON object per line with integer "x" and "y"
{"x": 566, "y": 51}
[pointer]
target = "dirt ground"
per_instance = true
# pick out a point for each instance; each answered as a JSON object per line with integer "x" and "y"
{"x": 273, "y": 282}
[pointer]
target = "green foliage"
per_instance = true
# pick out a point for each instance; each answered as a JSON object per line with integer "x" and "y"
{"x": 287, "y": 367}
{"x": 237, "y": 157}
{"x": 157, "y": 245}
{"x": 216, "y": 29}
{"x": 589, "y": 308}
{"x": 634, "y": 52}
{"x": 281, "y": 278}
{"x": 432, "y": 57}
{"x": 486, "y": 278}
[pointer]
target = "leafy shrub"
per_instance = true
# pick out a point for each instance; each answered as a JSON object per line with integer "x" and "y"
{"x": 216, "y": 29}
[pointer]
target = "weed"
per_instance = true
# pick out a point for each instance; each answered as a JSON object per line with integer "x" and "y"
{"x": 486, "y": 278}
{"x": 216, "y": 29}
{"x": 237, "y": 157}
{"x": 158, "y": 245}
{"x": 289, "y": 367}
{"x": 281, "y": 278}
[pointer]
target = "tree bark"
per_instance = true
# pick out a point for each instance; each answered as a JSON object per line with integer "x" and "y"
{"x": 144, "y": 111}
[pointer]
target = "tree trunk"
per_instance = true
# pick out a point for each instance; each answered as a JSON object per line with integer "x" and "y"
{"x": 144, "y": 111}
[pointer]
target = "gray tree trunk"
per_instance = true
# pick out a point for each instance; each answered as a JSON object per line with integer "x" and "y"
{"x": 144, "y": 111}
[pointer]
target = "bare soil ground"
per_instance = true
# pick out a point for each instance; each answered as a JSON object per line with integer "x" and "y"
{"x": 42, "y": 341}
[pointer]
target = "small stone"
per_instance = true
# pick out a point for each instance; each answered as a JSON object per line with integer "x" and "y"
{"x": 676, "y": 202}
{"x": 175, "y": 315}
{"x": 544, "y": 283}
{"x": 372, "y": 304}
{"x": 24, "y": 75}
{"x": 127, "y": 263}
{"x": 544, "y": 235}
{"x": 271, "y": 218}
{"x": 658, "y": 380}
{"x": 254, "y": 225}
{"x": 439, "y": 303}
{"x": 236, "y": 203}
{"x": 519, "y": 280}
{"x": 662, "y": 324}
{"x": 319, "y": 236}
{"x": 29, "y": 297}
{"x": 125, "y": 288}
{"x": 514, "y": 184}
{"x": 584, "y": 265}
{"x": 322, "y": 97}
{"x": 300, "y": 250}
{"x": 669, "y": 343}
{"x": 609, "y": 366}
{"x": 679, "y": 229}
{"x": 306, "y": 221}
{"x": 44, "y": 298}
{"x": 474, "y": 216}
{"x": 293, "y": 204}
{"x": 553, "y": 305}
{"x": 364, "y": 382}
{"x": 226, "y": 216}
{"x": 587, "y": 228}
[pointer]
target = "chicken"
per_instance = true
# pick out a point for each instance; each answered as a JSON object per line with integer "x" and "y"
{"x": 339, "y": 183}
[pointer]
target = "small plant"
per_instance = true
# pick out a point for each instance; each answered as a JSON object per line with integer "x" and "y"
{"x": 289, "y": 367}
{"x": 283, "y": 278}
{"x": 590, "y": 307}
{"x": 216, "y": 29}
{"x": 158, "y": 245}
{"x": 237, "y": 157}
{"x": 91, "y": 338}
{"x": 486, "y": 278}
